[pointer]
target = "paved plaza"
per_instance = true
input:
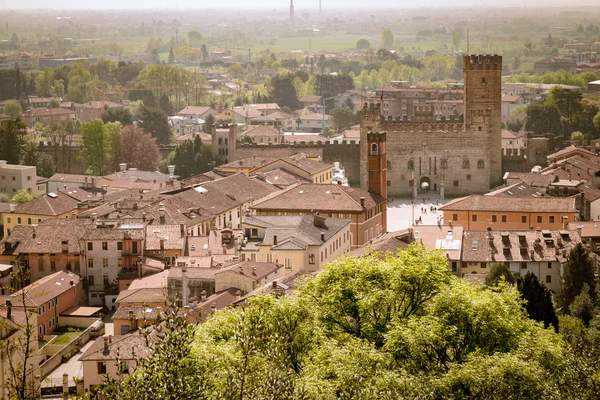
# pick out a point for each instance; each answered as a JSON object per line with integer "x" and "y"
{"x": 400, "y": 211}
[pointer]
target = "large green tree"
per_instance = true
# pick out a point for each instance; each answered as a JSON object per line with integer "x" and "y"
{"x": 538, "y": 300}
{"x": 155, "y": 122}
{"x": 95, "y": 149}
{"x": 578, "y": 271}
{"x": 283, "y": 92}
{"x": 342, "y": 118}
{"x": 497, "y": 271}
{"x": 11, "y": 133}
{"x": 193, "y": 157}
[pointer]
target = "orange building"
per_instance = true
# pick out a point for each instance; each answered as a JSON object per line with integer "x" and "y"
{"x": 50, "y": 296}
{"x": 477, "y": 213}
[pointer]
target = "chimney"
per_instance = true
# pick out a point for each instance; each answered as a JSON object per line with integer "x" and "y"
{"x": 161, "y": 214}
{"x": 362, "y": 202}
{"x": 123, "y": 167}
{"x": 318, "y": 221}
{"x": 71, "y": 282}
{"x": 322, "y": 236}
{"x": 162, "y": 244}
{"x": 579, "y": 229}
{"x": 144, "y": 216}
{"x": 275, "y": 240}
{"x": 64, "y": 244}
{"x": 8, "y": 309}
{"x": 182, "y": 229}
{"x": 184, "y": 286}
{"x": 171, "y": 169}
{"x": 106, "y": 342}
{"x": 12, "y": 207}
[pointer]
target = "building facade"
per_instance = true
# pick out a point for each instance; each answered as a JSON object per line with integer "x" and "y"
{"x": 434, "y": 149}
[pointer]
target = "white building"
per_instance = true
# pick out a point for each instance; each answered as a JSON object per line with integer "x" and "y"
{"x": 19, "y": 177}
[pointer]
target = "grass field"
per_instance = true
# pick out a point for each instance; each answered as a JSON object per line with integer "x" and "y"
{"x": 66, "y": 337}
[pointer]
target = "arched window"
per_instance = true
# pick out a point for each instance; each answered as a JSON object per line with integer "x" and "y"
{"x": 466, "y": 164}
{"x": 220, "y": 141}
{"x": 374, "y": 149}
{"x": 389, "y": 165}
{"x": 411, "y": 165}
{"x": 444, "y": 164}
{"x": 480, "y": 164}
{"x": 226, "y": 142}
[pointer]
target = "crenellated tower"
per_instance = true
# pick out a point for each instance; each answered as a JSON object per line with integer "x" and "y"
{"x": 483, "y": 105}
{"x": 370, "y": 120}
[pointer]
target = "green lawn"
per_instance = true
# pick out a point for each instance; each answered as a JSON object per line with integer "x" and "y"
{"x": 66, "y": 337}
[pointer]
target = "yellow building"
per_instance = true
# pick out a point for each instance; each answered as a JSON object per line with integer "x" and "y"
{"x": 47, "y": 206}
{"x": 297, "y": 242}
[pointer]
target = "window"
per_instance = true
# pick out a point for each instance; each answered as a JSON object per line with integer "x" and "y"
{"x": 524, "y": 219}
{"x": 480, "y": 164}
{"x": 504, "y": 218}
{"x": 548, "y": 278}
{"x": 104, "y": 245}
{"x": 454, "y": 266}
{"x": 90, "y": 263}
{"x": 68, "y": 265}
{"x": 523, "y": 265}
{"x": 466, "y": 164}
{"x": 444, "y": 164}
{"x": 101, "y": 368}
{"x": 91, "y": 281}
{"x": 29, "y": 178}
{"x": 105, "y": 280}
{"x": 28, "y": 221}
{"x": 551, "y": 219}
{"x": 254, "y": 232}
{"x": 134, "y": 247}
{"x": 52, "y": 265}
{"x": 389, "y": 183}
{"x": 40, "y": 264}
{"x": 494, "y": 218}
{"x": 288, "y": 263}
{"x": 454, "y": 217}
{"x": 549, "y": 265}
{"x": 105, "y": 262}
{"x": 119, "y": 245}
{"x": 90, "y": 246}
{"x": 9, "y": 220}
{"x": 474, "y": 217}
{"x": 539, "y": 219}
{"x": 455, "y": 183}
{"x": 120, "y": 262}
{"x": 468, "y": 177}
{"x": 411, "y": 165}
{"x": 374, "y": 149}
{"x": 311, "y": 258}
{"x": 77, "y": 266}
{"x": 19, "y": 220}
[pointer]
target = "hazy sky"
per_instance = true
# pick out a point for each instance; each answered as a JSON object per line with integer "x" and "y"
{"x": 257, "y": 4}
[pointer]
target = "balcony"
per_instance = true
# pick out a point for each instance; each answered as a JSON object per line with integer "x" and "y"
{"x": 127, "y": 273}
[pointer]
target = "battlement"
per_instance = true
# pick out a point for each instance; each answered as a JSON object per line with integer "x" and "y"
{"x": 474, "y": 62}
{"x": 371, "y": 112}
{"x": 297, "y": 144}
{"x": 401, "y": 126}
{"x": 376, "y": 137}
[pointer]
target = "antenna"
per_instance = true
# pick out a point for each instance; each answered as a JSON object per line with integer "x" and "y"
{"x": 468, "y": 41}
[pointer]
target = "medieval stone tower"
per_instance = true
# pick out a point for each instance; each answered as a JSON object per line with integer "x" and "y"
{"x": 461, "y": 154}
{"x": 224, "y": 141}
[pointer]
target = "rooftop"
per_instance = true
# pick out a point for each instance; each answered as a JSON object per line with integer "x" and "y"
{"x": 251, "y": 269}
{"x": 45, "y": 289}
{"x": 510, "y": 204}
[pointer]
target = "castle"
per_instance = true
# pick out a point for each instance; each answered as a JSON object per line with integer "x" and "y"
{"x": 455, "y": 156}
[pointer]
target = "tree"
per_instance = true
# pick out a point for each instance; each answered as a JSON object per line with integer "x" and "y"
{"x": 165, "y": 104}
{"x": 11, "y": 133}
{"x": 195, "y": 38}
{"x": 543, "y": 119}
{"x": 122, "y": 115}
{"x": 13, "y": 109}
{"x": 44, "y": 81}
{"x": 538, "y": 299}
{"x": 579, "y": 270}
{"x": 95, "y": 148}
{"x": 568, "y": 101}
{"x": 236, "y": 71}
{"x": 342, "y": 118}
{"x": 283, "y": 92}
{"x": 19, "y": 349}
{"x": 22, "y": 196}
{"x": 596, "y": 122}
{"x": 135, "y": 147}
{"x": 583, "y": 306}
{"x": 43, "y": 162}
{"x": 387, "y": 39}
{"x": 155, "y": 121}
{"x": 208, "y": 123}
{"x": 498, "y": 271}
{"x": 171, "y": 57}
{"x": 577, "y": 138}
{"x": 363, "y": 44}
{"x": 456, "y": 36}
{"x": 193, "y": 157}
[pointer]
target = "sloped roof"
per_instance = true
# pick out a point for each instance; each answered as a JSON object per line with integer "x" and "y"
{"x": 320, "y": 197}
{"x": 125, "y": 347}
{"x": 45, "y": 289}
{"x": 48, "y": 205}
{"x": 510, "y": 204}
{"x": 251, "y": 269}
{"x": 262, "y": 131}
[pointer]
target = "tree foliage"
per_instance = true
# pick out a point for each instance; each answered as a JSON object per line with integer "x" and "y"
{"x": 95, "y": 148}
{"x": 342, "y": 118}
{"x": 498, "y": 271}
{"x": 133, "y": 146}
{"x": 192, "y": 158}
{"x": 13, "y": 109}
{"x": 155, "y": 122}
{"x": 370, "y": 328}
{"x": 22, "y": 196}
{"x": 538, "y": 300}
{"x": 578, "y": 271}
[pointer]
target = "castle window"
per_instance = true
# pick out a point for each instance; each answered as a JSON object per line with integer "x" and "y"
{"x": 480, "y": 164}
{"x": 411, "y": 165}
{"x": 220, "y": 141}
{"x": 468, "y": 177}
{"x": 455, "y": 183}
{"x": 466, "y": 164}
{"x": 483, "y": 80}
{"x": 444, "y": 164}
{"x": 226, "y": 141}
{"x": 374, "y": 149}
